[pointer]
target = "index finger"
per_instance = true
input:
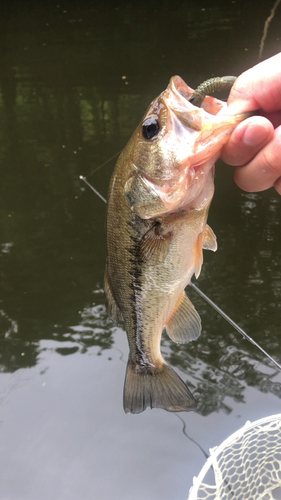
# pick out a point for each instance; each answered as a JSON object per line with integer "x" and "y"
{"x": 257, "y": 88}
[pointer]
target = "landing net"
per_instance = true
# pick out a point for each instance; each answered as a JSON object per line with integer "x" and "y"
{"x": 247, "y": 465}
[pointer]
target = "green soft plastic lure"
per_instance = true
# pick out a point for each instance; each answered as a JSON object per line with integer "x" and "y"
{"x": 209, "y": 86}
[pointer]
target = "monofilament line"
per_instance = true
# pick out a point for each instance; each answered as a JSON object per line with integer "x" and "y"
{"x": 92, "y": 188}
{"x": 209, "y": 301}
{"x": 232, "y": 323}
{"x": 266, "y": 26}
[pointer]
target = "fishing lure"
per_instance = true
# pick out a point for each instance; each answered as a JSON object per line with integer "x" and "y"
{"x": 209, "y": 86}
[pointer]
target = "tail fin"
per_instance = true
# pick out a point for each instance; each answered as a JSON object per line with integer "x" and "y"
{"x": 160, "y": 389}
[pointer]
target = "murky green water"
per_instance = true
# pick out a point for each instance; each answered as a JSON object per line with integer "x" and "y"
{"x": 64, "y": 110}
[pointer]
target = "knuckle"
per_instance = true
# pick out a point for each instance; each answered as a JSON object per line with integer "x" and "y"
{"x": 242, "y": 87}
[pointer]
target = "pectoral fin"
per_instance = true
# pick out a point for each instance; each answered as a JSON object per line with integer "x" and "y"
{"x": 154, "y": 246}
{"x": 198, "y": 257}
{"x": 209, "y": 239}
{"x": 185, "y": 324}
{"x": 111, "y": 306}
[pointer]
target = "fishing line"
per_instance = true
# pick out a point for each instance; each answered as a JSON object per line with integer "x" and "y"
{"x": 190, "y": 438}
{"x": 206, "y": 298}
{"x": 232, "y": 323}
{"x": 102, "y": 165}
{"x": 92, "y": 188}
{"x": 266, "y": 27}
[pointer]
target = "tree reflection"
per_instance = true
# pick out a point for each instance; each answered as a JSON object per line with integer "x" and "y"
{"x": 219, "y": 368}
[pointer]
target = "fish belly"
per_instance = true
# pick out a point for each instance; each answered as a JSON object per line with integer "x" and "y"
{"x": 161, "y": 302}
{"x": 148, "y": 294}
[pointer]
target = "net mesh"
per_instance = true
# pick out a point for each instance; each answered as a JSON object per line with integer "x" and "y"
{"x": 247, "y": 465}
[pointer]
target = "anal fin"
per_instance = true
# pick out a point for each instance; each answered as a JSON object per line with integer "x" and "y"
{"x": 185, "y": 324}
{"x": 111, "y": 306}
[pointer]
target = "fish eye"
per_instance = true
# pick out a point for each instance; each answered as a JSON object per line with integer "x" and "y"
{"x": 150, "y": 128}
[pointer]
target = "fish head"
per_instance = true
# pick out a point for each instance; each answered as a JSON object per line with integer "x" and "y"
{"x": 173, "y": 152}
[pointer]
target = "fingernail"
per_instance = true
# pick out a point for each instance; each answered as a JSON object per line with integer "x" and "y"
{"x": 255, "y": 135}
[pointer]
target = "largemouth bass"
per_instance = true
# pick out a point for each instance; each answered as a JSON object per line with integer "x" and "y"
{"x": 158, "y": 203}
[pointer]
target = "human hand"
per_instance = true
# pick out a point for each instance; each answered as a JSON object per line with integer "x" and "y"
{"x": 255, "y": 144}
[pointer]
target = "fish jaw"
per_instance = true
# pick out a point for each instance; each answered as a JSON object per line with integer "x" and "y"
{"x": 168, "y": 173}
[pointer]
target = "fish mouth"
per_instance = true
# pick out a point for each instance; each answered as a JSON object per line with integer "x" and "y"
{"x": 205, "y": 130}
{"x": 177, "y": 98}
{"x": 179, "y": 86}
{"x": 200, "y": 134}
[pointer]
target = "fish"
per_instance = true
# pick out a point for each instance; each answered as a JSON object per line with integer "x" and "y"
{"x": 156, "y": 229}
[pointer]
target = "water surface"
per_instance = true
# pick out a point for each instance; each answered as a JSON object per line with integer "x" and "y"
{"x": 75, "y": 80}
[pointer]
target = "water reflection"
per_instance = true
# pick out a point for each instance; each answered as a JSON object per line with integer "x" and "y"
{"x": 70, "y": 97}
{"x": 95, "y": 329}
{"x": 213, "y": 369}
{"x": 65, "y": 109}
{"x": 216, "y": 371}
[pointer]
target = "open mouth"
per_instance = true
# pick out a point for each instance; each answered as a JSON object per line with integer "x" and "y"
{"x": 179, "y": 86}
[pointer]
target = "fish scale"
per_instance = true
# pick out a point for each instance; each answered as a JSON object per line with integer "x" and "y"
{"x": 158, "y": 202}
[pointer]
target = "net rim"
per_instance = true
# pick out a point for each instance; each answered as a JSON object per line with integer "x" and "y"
{"x": 214, "y": 452}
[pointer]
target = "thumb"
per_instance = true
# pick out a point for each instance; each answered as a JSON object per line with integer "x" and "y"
{"x": 247, "y": 139}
